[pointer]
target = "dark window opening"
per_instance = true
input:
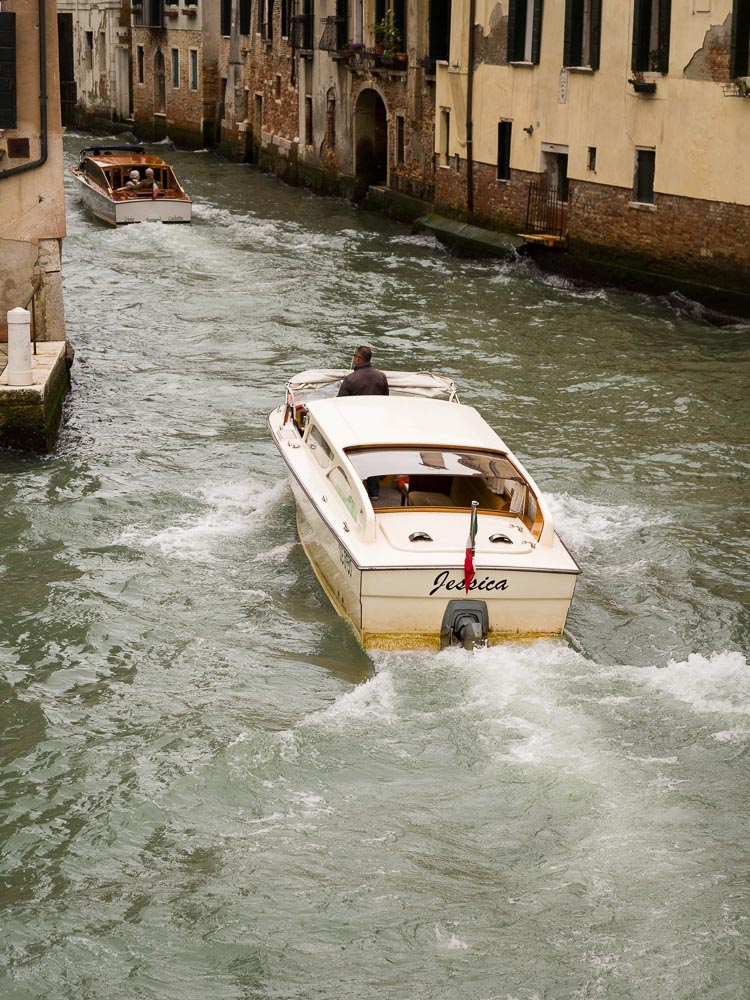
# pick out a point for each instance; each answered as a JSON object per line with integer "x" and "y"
{"x": 226, "y": 18}
{"x": 591, "y": 159}
{"x": 739, "y": 63}
{"x": 439, "y": 29}
{"x": 644, "y": 176}
{"x": 651, "y": 28}
{"x": 7, "y": 69}
{"x": 308, "y": 121}
{"x": 524, "y": 31}
{"x": 583, "y": 21}
{"x": 400, "y": 138}
{"x": 156, "y": 13}
{"x": 503, "y": 150}
{"x": 395, "y": 11}
{"x": 244, "y": 17}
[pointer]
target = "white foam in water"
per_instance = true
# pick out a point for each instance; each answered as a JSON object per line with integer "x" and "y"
{"x": 234, "y": 510}
{"x": 583, "y": 524}
{"x": 370, "y": 702}
{"x": 716, "y": 683}
{"x": 447, "y": 939}
{"x": 279, "y": 554}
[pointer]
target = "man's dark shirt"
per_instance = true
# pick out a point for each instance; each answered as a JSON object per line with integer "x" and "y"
{"x": 364, "y": 381}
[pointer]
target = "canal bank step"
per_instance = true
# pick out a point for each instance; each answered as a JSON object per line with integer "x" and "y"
{"x": 469, "y": 239}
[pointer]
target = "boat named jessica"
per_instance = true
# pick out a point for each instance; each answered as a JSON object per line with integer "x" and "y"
{"x": 123, "y": 184}
{"x": 458, "y": 548}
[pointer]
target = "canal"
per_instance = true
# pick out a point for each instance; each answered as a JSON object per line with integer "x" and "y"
{"x": 208, "y": 790}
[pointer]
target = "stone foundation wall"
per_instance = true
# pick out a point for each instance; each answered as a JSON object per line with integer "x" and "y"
{"x": 701, "y": 240}
{"x": 705, "y": 240}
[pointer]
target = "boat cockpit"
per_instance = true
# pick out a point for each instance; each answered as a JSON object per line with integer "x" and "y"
{"x": 445, "y": 478}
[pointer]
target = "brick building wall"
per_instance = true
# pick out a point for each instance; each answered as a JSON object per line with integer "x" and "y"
{"x": 687, "y": 235}
{"x": 183, "y": 118}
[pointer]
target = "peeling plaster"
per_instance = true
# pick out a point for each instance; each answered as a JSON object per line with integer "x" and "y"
{"x": 493, "y": 47}
{"x": 711, "y": 61}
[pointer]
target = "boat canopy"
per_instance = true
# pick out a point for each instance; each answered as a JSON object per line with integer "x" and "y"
{"x": 400, "y": 383}
{"x": 107, "y": 150}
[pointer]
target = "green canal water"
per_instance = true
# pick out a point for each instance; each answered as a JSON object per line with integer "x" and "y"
{"x": 209, "y": 792}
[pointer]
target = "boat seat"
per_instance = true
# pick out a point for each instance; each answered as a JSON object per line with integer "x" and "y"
{"x": 420, "y": 498}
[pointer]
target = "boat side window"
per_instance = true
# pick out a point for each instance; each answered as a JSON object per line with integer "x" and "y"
{"x": 340, "y": 482}
{"x": 97, "y": 175}
{"x": 319, "y": 447}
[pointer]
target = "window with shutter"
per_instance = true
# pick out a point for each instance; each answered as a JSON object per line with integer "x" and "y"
{"x": 651, "y": 34}
{"x": 524, "y": 31}
{"x": 440, "y": 29}
{"x": 581, "y": 43}
{"x": 739, "y": 64}
{"x": 7, "y": 69}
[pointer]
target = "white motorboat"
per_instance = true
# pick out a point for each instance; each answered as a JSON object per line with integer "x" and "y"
{"x": 459, "y": 547}
{"x": 107, "y": 183}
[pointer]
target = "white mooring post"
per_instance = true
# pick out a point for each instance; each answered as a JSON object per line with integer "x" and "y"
{"x": 19, "y": 347}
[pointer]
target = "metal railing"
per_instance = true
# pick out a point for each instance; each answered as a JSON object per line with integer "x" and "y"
{"x": 334, "y": 34}
{"x": 546, "y": 213}
{"x": 30, "y": 304}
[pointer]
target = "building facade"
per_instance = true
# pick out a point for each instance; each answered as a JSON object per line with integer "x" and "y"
{"x": 95, "y": 46}
{"x": 32, "y": 204}
{"x": 175, "y": 48}
{"x": 339, "y": 95}
{"x": 615, "y": 128}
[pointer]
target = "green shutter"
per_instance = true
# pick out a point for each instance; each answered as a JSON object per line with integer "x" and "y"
{"x": 7, "y": 69}
{"x": 665, "y": 23}
{"x": 641, "y": 32}
{"x": 536, "y": 32}
{"x": 568, "y": 36}
{"x": 510, "y": 49}
{"x": 738, "y": 62}
{"x": 596, "y": 32}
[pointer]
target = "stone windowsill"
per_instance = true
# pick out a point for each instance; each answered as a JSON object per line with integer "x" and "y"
{"x": 522, "y": 63}
{"x": 580, "y": 69}
{"x": 642, "y": 206}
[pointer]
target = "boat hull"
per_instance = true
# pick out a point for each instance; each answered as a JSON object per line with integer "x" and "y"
{"x": 122, "y": 213}
{"x": 400, "y": 607}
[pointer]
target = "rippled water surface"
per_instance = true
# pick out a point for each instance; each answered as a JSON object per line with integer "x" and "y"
{"x": 207, "y": 789}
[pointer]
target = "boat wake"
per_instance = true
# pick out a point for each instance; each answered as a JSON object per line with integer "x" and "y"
{"x": 232, "y": 510}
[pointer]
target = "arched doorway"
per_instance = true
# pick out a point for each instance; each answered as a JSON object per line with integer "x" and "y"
{"x": 371, "y": 138}
{"x": 160, "y": 84}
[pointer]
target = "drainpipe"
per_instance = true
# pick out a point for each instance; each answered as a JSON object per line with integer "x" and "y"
{"x": 42, "y": 100}
{"x": 469, "y": 119}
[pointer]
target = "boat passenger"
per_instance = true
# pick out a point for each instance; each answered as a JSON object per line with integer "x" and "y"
{"x": 134, "y": 181}
{"x": 365, "y": 380}
{"x": 149, "y": 181}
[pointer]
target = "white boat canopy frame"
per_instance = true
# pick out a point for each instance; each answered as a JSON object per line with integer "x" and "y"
{"x": 400, "y": 383}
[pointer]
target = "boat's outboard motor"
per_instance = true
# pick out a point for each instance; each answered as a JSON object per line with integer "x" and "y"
{"x": 465, "y": 623}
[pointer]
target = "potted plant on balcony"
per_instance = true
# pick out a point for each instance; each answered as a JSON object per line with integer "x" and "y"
{"x": 387, "y": 37}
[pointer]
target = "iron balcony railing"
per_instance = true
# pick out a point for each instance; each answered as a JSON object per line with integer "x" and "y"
{"x": 334, "y": 34}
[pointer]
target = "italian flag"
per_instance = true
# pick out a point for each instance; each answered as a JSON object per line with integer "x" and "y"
{"x": 470, "y": 547}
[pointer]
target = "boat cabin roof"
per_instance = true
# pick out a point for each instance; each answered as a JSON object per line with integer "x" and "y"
{"x": 399, "y": 421}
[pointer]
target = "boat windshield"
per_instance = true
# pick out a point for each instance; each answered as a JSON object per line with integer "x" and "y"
{"x": 435, "y": 462}
{"x": 441, "y": 477}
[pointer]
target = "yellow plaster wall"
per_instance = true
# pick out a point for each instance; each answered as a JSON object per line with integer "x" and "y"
{"x": 702, "y": 138}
